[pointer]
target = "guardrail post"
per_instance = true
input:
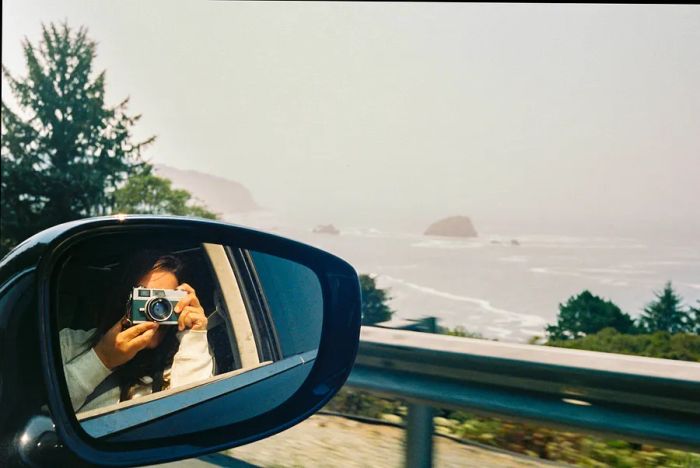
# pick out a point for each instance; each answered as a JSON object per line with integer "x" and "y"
{"x": 419, "y": 436}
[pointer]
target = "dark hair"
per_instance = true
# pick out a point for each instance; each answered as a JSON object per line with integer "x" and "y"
{"x": 148, "y": 362}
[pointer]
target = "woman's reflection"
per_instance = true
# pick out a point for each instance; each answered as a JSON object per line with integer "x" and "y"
{"x": 116, "y": 362}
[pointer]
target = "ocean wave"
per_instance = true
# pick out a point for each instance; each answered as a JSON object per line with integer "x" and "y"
{"x": 614, "y": 282}
{"x": 618, "y": 271}
{"x": 581, "y": 273}
{"x": 515, "y": 259}
{"x": 571, "y": 240}
{"x": 448, "y": 244}
{"x": 530, "y": 332}
{"x": 588, "y": 246}
{"x": 372, "y": 233}
{"x": 525, "y": 320}
{"x": 363, "y": 232}
{"x": 496, "y": 240}
{"x": 666, "y": 262}
{"x": 538, "y": 242}
{"x": 499, "y": 332}
{"x": 410, "y": 266}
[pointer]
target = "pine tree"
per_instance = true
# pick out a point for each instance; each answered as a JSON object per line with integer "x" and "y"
{"x": 694, "y": 315}
{"x": 586, "y": 314}
{"x": 374, "y": 302}
{"x": 64, "y": 150}
{"x": 665, "y": 313}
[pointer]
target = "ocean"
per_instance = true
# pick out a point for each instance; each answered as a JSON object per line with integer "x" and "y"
{"x": 505, "y": 290}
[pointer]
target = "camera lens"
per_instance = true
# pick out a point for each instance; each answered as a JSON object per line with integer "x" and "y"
{"x": 159, "y": 309}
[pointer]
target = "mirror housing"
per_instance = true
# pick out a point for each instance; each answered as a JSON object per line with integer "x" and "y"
{"x": 331, "y": 366}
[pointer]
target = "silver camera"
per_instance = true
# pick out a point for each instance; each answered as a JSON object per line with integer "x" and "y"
{"x": 155, "y": 305}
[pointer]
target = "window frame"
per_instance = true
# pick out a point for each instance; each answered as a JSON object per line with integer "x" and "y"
{"x": 263, "y": 327}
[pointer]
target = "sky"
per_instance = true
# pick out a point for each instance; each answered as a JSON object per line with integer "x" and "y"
{"x": 527, "y": 118}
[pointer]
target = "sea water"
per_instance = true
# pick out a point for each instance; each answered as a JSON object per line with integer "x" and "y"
{"x": 506, "y": 290}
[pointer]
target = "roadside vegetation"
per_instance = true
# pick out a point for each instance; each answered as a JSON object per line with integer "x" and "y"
{"x": 665, "y": 329}
{"x": 586, "y": 314}
{"x": 526, "y": 439}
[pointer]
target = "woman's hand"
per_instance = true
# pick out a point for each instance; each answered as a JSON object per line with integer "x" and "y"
{"x": 117, "y": 347}
{"x": 191, "y": 312}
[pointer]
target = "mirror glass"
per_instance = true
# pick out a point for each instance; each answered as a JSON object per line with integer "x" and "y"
{"x": 148, "y": 328}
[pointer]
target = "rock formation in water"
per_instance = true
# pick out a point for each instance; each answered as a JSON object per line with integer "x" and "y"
{"x": 326, "y": 229}
{"x": 454, "y": 226}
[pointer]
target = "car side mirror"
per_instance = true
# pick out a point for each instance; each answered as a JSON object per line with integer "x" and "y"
{"x": 165, "y": 338}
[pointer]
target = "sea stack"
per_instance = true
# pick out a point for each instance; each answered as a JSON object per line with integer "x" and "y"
{"x": 326, "y": 229}
{"x": 454, "y": 226}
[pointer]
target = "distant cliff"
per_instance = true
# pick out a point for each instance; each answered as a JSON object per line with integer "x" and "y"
{"x": 218, "y": 194}
{"x": 454, "y": 226}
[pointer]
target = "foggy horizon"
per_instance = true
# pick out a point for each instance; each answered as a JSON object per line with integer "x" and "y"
{"x": 526, "y": 118}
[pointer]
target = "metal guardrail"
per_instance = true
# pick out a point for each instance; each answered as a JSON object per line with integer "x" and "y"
{"x": 641, "y": 399}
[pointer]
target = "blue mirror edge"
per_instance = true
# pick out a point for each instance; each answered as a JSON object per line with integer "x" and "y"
{"x": 336, "y": 352}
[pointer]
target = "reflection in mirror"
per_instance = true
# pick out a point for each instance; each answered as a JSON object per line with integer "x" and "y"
{"x": 146, "y": 332}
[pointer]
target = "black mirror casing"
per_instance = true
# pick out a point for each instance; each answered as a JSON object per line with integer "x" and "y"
{"x": 336, "y": 352}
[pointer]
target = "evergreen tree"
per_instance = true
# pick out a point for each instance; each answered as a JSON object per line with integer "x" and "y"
{"x": 585, "y": 314}
{"x": 147, "y": 193}
{"x": 64, "y": 150}
{"x": 665, "y": 313}
{"x": 374, "y": 302}
{"x": 695, "y": 319}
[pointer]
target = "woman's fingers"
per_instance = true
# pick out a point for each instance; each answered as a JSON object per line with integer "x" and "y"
{"x": 186, "y": 301}
{"x": 181, "y": 320}
{"x": 184, "y": 322}
{"x": 141, "y": 341}
{"x": 189, "y": 300}
{"x": 115, "y": 348}
{"x": 192, "y": 317}
{"x": 132, "y": 332}
{"x": 191, "y": 312}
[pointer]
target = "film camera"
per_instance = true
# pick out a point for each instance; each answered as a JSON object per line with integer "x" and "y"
{"x": 155, "y": 305}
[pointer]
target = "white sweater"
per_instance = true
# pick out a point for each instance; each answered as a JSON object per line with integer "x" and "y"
{"x": 85, "y": 371}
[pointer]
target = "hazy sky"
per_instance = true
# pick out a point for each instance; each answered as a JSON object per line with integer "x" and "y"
{"x": 526, "y": 117}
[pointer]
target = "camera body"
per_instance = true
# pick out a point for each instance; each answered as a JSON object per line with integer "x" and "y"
{"x": 155, "y": 305}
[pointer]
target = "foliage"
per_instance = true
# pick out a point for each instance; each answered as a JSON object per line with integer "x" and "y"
{"x": 524, "y": 438}
{"x": 694, "y": 315}
{"x": 665, "y": 313}
{"x": 147, "y": 193}
{"x": 556, "y": 445}
{"x": 64, "y": 150}
{"x": 348, "y": 401}
{"x": 679, "y": 346}
{"x": 66, "y": 154}
{"x": 374, "y": 302}
{"x": 585, "y": 314}
{"x": 460, "y": 331}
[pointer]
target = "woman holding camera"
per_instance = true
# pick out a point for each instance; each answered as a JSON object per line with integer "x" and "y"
{"x": 112, "y": 363}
